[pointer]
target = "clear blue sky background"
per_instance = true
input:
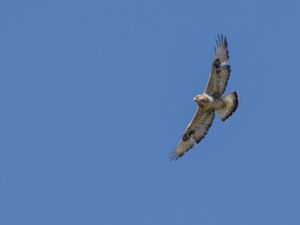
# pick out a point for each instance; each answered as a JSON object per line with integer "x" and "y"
{"x": 94, "y": 95}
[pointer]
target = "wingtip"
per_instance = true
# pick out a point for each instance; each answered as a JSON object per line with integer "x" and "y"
{"x": 221, "y": 39}
{"x": 225, "y": 41}
{"x": 173, "y": 156}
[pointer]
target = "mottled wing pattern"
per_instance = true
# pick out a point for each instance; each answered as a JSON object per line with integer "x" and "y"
{"x": 220, "y": 69}
{"x": 195, "y": 132}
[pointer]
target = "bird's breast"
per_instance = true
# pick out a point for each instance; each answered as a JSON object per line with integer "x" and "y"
{"x": 217, "y": 103}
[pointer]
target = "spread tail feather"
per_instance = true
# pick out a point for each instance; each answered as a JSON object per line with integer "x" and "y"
{"x": 231, "y": 104}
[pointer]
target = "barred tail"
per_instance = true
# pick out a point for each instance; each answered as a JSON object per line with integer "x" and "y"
{"x": 231, "y": 104}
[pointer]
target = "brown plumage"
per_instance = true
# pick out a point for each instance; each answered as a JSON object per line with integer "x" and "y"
{"x": 210, "y": 101}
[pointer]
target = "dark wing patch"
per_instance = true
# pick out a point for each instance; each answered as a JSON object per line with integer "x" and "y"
{"x": 195, "y": 132}
{"x": 220, "y": 69}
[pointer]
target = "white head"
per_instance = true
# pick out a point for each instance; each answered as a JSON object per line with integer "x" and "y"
{"x": 201, "y": 99}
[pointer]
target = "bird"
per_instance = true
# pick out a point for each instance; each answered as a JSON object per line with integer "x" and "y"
{"x": 211, "y": 101}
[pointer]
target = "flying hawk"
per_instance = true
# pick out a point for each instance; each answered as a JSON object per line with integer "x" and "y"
{"x": 210, "y": 101}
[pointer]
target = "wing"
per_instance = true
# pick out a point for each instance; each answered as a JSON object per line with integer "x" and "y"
{"x": 195, "y": 132}
{"x": 220, "y": 69}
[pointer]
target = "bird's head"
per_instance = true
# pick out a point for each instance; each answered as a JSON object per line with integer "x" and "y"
{"x": 201, "y": 99}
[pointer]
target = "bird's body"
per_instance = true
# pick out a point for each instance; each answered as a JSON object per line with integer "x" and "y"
{"x": 211, "y": 101}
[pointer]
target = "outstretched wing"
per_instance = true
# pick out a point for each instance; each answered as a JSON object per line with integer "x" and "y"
{"x": 195, "y": 132}
{"x": 220, "y": 69}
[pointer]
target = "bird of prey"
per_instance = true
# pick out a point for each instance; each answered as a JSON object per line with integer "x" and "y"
{"x": 211, "y": 101}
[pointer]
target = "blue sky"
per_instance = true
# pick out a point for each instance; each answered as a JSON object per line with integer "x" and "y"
{"x": 95, "y": 94}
